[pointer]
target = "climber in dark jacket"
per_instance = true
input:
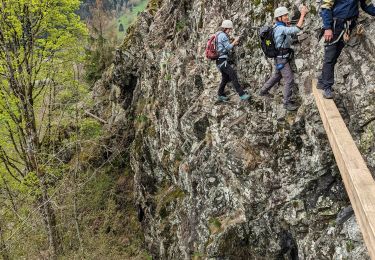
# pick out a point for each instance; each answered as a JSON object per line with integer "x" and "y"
{"x": 228, "y": 74}
{"x": 339, "y": 18}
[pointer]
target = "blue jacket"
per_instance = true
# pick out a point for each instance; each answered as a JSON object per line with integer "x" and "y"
{"x": 281, "y": 32}
{"x": 223, "y": 45}
{"x": 343, "y": 9}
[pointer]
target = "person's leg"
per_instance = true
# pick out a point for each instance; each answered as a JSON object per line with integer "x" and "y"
{"x": 331, "y": 54}
{"x": 224, "y": 80}
{"x": 232, "y": 75}
{"x": 288, "y": 77}
{"x": 340, "y": 47}
{"x": 320, "y": 82}
{"x": 273, "y": 80}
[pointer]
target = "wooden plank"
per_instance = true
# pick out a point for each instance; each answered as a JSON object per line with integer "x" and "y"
{"x": 356, "y": 176}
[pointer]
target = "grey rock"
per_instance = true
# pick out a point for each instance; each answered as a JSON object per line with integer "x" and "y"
{"x": 235, "y": 180}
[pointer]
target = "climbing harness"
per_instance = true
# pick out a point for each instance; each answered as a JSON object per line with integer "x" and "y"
{"x": 344, "y": 33}
{"x": 225, "y": 62}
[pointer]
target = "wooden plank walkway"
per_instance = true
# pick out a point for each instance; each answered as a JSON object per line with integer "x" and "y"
{"x": 357, "y": 178}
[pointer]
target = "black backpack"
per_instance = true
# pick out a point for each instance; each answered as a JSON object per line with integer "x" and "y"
{"x": 267, "y": 41}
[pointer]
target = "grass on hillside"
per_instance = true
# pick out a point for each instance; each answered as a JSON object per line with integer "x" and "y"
{"x": 128, "y": 17}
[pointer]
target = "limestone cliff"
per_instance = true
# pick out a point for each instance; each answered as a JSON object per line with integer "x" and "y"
{"x": 235, "y": 180}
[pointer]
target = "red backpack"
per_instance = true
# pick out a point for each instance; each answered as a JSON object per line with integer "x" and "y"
{"x": 211, "y": 48}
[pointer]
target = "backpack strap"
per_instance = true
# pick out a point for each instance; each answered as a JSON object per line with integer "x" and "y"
{"x": 282, "y": 43}
{"x": 217, "y": 35}
{"x": 217, "y": 39}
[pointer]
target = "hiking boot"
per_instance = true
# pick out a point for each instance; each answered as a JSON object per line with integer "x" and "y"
{"x": 290, "y": 106}
{"x": 265, "y": 94}
{"x": 222, "y": 98}
{"x": 245, "y": 96}
{"x": 328, "y": 93}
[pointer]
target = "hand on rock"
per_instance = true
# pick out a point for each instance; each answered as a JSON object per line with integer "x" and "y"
{"x": 236, "y": 41}
{"x": 303, "y": 9}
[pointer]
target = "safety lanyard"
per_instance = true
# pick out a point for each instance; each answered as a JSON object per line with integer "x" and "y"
{"x": 343, "y": 32}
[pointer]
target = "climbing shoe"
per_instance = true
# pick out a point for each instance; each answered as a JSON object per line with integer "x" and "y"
{"x": 245, "y": 96}
{"x": 321, "y": 87}
{"x": 222, "y": 98}
{"x": 265, "y": 94}
{"x": 328, "y": 93}
{"x": 290, "y": 107}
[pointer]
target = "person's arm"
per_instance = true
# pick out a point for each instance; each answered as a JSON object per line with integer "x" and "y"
{"x": 368, "y": 7}
{"x": 236, "y": 41}
{"x": 295, "y": 29}
{"x": 303, "y": 11}
{"x": 223, "y": 38}
{"x": 327, "y": 17}
{"x": 289, "y": 30}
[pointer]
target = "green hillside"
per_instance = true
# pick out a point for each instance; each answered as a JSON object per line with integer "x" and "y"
{"x": 129, "y": 16}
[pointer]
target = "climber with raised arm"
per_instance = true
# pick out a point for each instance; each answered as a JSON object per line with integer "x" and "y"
{"x": 228, "y": 74}
{"x": 339, "y": 19}
{"x": 282, "y": 36}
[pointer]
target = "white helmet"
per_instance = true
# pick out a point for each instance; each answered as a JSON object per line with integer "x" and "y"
{"x": 227, "y": 24}
{"x": 280, "y": 11}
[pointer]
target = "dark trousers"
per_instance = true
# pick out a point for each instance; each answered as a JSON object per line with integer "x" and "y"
{"x": 228, "y": 74}
{"x": 287, "y": 74}
{"x": 331, "y": 54}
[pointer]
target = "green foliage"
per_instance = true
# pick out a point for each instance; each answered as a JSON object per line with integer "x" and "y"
{"x": 90, "y": 128}
{"x": 367, "y": 140}
{"x": 44, "y": 50}
{"x": 113, "y": 230}
{"x": 130, "y": 15}
{"x": 256, "y": 2}
{"x": 97, "y": 192}
{"x": 93, "y": 206}
{"x": 154, "y": 5}
{"x": 99, "y": 57}
{"x": 313, "y": 10}
{"x": 349, "y": 246}
{"x": 168, "y": 77}
{"x": 215, "y": 222}
{"x": 142, "y": 118}
{"x": 180, "y": 25}
{"x": 31, "y": 183}
{"x": 44, "y": 40}
{"x": 166, "y": 197}
{"x": 198, "y": 255}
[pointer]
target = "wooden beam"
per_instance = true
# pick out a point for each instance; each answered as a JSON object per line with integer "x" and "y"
{"x": 357, "y": 178}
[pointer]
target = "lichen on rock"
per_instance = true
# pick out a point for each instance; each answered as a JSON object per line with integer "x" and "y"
{"x": 237, "y": 180}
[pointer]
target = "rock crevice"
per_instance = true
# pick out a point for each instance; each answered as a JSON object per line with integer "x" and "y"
{"x": 236, "y": 180}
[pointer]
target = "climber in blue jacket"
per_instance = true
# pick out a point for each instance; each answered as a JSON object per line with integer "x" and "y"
{"x": 339, "y": 18}
{"x": 228, "y": 74}
{"x": 282, "y": 34}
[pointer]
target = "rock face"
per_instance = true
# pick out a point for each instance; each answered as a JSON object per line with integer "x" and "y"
{"x": 235, "y": 180}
